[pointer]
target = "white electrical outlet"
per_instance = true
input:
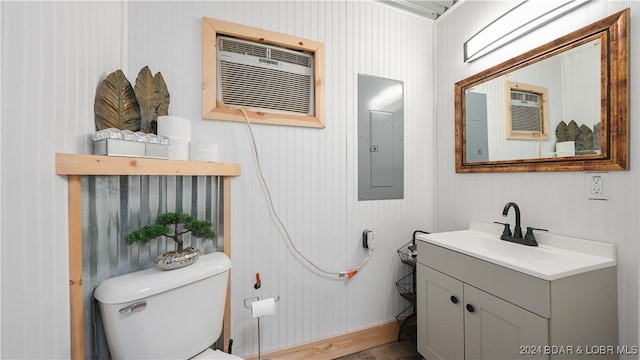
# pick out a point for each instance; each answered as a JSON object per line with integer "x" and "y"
{"x": 597, "y": 186}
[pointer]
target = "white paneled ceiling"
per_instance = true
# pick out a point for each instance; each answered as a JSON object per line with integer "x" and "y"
{"x": 426, "y": 8}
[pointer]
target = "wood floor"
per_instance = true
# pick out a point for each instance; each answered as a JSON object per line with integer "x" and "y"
{"x": 405, "y": 349}
{"x": 398, "y": 350}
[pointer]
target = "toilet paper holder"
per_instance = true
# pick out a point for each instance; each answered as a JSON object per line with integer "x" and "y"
{"x": 248, "y": 301}
{"x": 247, "y": 304}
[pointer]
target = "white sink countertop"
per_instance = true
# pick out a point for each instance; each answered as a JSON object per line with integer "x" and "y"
{"x": 555, "y": 257}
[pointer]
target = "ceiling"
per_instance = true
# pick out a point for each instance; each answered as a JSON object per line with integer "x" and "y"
{"x": 430, "y": 9}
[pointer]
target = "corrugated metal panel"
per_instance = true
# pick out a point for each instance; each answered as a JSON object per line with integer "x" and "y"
{"x": 113, "y": 206}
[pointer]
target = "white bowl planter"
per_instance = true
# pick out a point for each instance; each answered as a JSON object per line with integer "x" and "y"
{"x": 174, "y": 260}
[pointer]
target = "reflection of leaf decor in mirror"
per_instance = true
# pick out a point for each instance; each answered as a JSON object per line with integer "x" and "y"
{"x": 575, "y": 93}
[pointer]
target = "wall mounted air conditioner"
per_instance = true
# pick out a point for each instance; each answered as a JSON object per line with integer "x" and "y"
{"x": 264, "y": 78}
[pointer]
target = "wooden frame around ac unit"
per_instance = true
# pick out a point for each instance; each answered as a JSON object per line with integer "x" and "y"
{"x": 213, "y": 110}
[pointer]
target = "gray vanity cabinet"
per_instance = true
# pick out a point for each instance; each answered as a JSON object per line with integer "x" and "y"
{"x": 460, "y": 321}
{"x": 469, "y": 308}
{"x": 440, "y": 315}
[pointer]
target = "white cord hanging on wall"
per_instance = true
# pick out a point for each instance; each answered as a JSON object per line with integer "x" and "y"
{"x": 345, "y": 273}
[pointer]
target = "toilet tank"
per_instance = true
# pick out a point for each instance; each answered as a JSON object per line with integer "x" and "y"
{"x": 158, "y": 314}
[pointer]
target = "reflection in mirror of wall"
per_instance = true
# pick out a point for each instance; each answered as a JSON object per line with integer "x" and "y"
{"x": 560, "y": 107}
{"x": 525, "y": 107}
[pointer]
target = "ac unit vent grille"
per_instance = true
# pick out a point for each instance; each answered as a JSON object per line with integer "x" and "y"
{"x": 265, "y": 77}
{"x": 525, "y": 118}
{"x": 258, "y": 87}
{"x": 526, "y": 113}
{"x": 291, "y": 58}
{"x": 246, "y": 48}
{"x": 241, "y": 47}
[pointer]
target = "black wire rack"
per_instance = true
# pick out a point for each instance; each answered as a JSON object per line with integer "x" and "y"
{"x": 408, "y": 253}
{"x": 406, "y": 286}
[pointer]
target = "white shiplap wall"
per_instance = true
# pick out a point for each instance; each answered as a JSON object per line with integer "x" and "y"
{"x": 54, "y": 54}
{"x": 555, "y": 201}
{"x": 312, "y": 173}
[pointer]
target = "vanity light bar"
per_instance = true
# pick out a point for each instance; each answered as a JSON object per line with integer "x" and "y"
{"x": 525, "y": 17}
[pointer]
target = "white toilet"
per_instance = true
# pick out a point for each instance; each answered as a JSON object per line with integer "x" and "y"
{"x": 157, "y": 314}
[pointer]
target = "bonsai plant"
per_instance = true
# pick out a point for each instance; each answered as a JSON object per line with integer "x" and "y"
{"x": 173, "y": 225}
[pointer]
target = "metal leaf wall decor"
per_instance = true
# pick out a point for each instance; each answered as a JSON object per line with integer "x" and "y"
{"x": 147, "y": 95}
{"x": 121, "y": 106}
{"x": 163, "y": 98}
{"x": 115, "y": 104}
{"x": 163, "y": 94}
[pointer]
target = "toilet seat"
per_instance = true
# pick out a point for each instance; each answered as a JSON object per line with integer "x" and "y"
{"x": 211, "y": 354}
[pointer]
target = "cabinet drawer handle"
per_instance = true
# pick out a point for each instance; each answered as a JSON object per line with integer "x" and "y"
{"x": 470, "y": 308}
{"x": 454, "y": 299}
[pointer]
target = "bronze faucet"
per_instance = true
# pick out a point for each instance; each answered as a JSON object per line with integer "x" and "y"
{"x": 529, "y": 239}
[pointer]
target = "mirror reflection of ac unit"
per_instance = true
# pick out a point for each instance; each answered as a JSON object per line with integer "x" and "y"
{"x": 526, "y": 114}
{"x": 264, "y": 78}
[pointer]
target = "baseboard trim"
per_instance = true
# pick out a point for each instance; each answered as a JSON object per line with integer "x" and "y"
{"x": 337, "y": 346}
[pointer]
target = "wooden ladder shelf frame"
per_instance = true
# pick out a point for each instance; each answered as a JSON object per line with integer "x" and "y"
{"x": 76, "y": 165}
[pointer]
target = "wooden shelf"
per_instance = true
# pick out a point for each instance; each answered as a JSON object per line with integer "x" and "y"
{"x": 80, "y": 164}
{"x": 77, "y": 165}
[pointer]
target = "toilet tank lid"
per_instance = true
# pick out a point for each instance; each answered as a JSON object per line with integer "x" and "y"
{"x": 142, "y": 284}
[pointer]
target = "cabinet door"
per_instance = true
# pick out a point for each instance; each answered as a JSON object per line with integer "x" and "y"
{"x": 440, "y": 315}
{"x": 496, "y": 329}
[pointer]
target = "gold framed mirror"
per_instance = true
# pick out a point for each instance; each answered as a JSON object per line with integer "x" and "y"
{"x": 586, "y": 108}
